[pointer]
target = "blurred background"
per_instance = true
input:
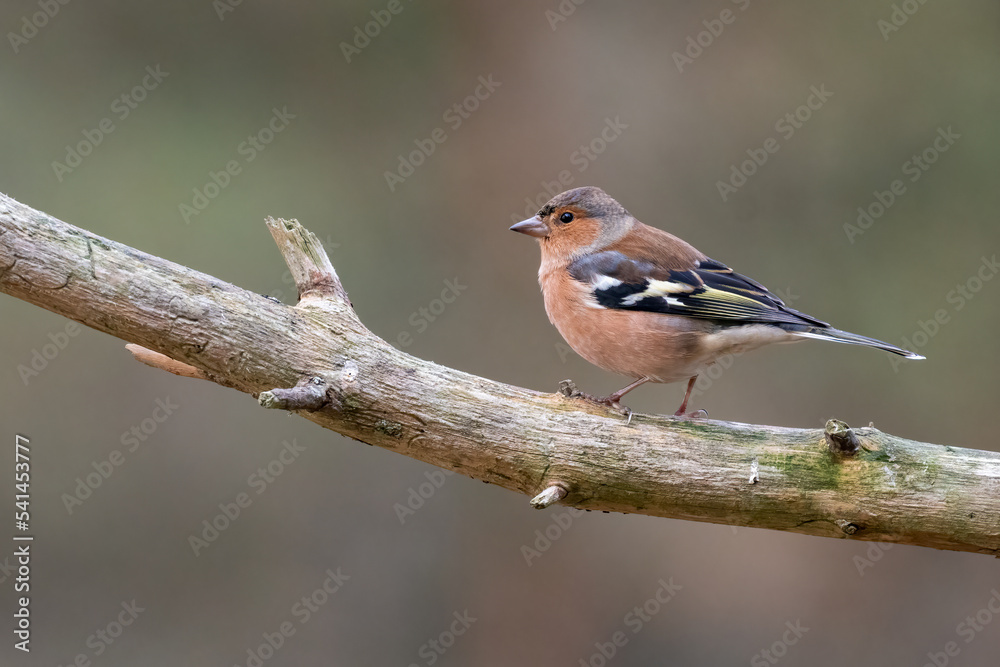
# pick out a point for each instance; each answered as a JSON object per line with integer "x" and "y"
{"x": 123, "y": 118}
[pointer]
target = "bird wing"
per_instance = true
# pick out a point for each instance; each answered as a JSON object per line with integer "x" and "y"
{"x": 708, "y": 290}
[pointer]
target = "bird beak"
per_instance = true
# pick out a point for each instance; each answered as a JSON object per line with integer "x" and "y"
{"x": 532, "y": 227}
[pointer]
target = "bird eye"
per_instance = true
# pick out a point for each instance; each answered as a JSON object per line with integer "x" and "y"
{"x": 566, "y": 217}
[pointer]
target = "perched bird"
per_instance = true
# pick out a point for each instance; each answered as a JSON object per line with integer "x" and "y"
{"x": 640, "y": 302}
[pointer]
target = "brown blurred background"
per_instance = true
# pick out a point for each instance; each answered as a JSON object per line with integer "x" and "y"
{"x": 336, "y": 505}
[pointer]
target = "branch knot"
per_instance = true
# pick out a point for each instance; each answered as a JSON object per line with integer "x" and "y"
{"x": 841, "y": 438}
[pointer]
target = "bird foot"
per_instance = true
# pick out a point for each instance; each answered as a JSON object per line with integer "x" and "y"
{"x": 568, "y": 389}
{"x": 610, "y": 401}
{"x": 694, "y": 414}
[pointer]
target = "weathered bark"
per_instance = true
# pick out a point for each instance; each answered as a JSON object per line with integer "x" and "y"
{"x": 861, "y": 484}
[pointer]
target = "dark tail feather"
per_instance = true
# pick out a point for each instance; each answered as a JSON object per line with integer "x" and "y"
{"x": 838, "y": 336}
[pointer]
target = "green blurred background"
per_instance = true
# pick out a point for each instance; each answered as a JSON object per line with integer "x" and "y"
{"x": 680, "y": 131}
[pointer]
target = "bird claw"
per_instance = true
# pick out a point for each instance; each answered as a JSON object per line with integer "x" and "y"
{"x": 611, "y": 402}
{"x": 694, "y": 414}
{"x": 568, "y": 389}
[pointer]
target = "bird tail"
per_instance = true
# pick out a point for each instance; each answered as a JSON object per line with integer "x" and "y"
{"x": 838, "y": 336}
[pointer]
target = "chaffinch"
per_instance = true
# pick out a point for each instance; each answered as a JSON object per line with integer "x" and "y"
{"x": 640, "y": 302}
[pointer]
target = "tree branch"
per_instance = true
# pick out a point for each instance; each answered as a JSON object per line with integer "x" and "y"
{"x": 841, "y": 482}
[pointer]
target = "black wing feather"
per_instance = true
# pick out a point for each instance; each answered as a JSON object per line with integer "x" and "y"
{"x": 710, "y": 291}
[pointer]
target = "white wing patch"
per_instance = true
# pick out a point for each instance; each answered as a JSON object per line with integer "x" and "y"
{"x": 659, "y": 288}
{"x": 598, "y": 282}
{"x": 602, "y": 282}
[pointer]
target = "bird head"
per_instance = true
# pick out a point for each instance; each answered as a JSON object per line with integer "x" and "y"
{"x": 577, "y": 221}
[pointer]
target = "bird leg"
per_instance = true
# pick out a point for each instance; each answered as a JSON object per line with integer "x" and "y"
{"x": 682, "y": 411}
{"x": 614, "y": 399}
{"x": 568, "y": 389}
